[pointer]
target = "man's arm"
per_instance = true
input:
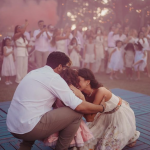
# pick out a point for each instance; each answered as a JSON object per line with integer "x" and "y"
{"x": 62, "y": 91}
{"x": 37, "y": 36}
{"x": 89, "y": 108}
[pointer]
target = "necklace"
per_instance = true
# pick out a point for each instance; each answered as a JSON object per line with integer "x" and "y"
{"x": 90, "y": 93}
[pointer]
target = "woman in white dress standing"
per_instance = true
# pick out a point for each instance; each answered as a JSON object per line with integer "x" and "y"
{"x": 59, "y": 40}
{"x": 132, "y": 36}
{"x": 140, "y": 60}
{"x": 21, "y": 52}
{"x": 100, "y": 52}
{"x": 116, "y": 126}
{"x": 144, "y": 42}
{"x": 89, "y": 53}
{"x": 74, "y": 51}
{"x": 116, "y": 60}
{"x": 8, "y": 65}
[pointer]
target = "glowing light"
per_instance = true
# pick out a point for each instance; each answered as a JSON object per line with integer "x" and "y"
{"x": 87, "y": 4}
{"x": 73, "y": 27}
{"x": 69, "y": 14}
{"x": 104, "y": 12}
{"x": 94, "y": 18}
{"x": 138, "y": 11}
{"x": 0, "y": 35}
{"x": 84, "y": 28}
{"x": 105, "y": 1}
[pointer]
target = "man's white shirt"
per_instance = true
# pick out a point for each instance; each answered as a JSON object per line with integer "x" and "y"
{"x": 42, "y": 43}
{"x": 35, "y": 96}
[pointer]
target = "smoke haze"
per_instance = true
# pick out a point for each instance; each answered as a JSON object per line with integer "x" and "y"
{"x": 14, "y": 12}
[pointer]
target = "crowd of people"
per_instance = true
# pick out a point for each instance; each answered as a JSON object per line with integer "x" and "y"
{"x": 120, "y": 50}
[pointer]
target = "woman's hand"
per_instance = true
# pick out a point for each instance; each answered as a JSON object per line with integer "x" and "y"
{"x": 77, "y": 92}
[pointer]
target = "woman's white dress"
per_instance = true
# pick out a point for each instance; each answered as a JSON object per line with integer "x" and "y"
{"x": 99, "y": 41}
{"x": 61, "y": 46}
{"x": 8, "y": 66}
{"x": 113, "y": 131}
{"x": 90, "y": 55}
{"x": 116, "y": 62}
{"x": 21, "y": 59}
{"x": 75, "y": 56}
{"x": 139, "y": 55}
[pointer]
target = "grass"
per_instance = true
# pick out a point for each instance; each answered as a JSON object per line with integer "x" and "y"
{"x": 142, "y": 86}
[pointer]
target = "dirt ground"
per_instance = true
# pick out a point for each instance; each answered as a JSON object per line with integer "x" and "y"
{"x": 142, "y": 86}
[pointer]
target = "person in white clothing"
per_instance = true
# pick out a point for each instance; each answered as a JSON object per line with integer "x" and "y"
{"x": 120, "y": 36}
{"x": 51, "y": 31}
{"x": 27, "y": 36}
{"x": 59, "y": 40}
{"x": 33, "y": 100}
{"x": 116, "y": 60}
{"x": 144, "y": 42}
{"x": 42, "y": 44}
{"x": 111, "y": 42}
{"x": 21, "y": 45}
{"x": 139, "y": 60}
{"x": 132, "y": 36}
{"x": 8, "y": 65}
{"x": 100, "y": 50}
{"x": 90, "y": 53}
{"x": 74, "y": 53}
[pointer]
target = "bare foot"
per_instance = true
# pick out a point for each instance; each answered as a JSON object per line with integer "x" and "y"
{"x": 132, "y": 144}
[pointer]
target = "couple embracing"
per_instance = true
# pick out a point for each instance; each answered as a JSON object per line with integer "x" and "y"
{"x": 50, "y": 102}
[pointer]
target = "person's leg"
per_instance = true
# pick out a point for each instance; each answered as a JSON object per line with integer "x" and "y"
{"x": 26, "y": 145}
{"x": 44, "y": 58}
{"x": 63, "y": 120}
{"x": 19, "y": 68}
{"x": 25, "y": 66}
{"x": 38, "y": 57}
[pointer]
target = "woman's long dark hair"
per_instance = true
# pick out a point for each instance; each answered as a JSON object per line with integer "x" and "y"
{"x": 53, "y": 41}
{"x": 130, "y": 46}
{"x": 15, "y": 31}
{"x": 88, "y": 75}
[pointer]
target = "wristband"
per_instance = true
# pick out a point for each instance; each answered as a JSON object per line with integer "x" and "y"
{"x": 103, "y": 108}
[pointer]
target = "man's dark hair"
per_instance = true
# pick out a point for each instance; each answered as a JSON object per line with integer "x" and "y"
{"x": 40, "y": 21}
{"x": 56, "y": 58}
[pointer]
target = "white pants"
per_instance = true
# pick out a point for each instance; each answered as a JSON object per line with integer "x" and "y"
{"x": 21, "y": 67}
{"x": 41, "y": 58}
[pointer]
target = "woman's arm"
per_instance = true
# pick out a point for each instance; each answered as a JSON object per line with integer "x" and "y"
{"x": 18, "y": 35}
{"x": 58, "y": 38}
{"x": 97, "y": 101}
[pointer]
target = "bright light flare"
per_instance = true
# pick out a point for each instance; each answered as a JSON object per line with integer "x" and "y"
{"x": 73, "y": 27}
{"x": 104, "y": 12}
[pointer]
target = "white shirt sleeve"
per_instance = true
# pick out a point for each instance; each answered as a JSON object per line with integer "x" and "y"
{"x": 62, "y": 91}
{"x": 35, "y": 34}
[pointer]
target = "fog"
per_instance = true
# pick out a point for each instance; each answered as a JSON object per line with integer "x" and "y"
{"x": 14, "y": 12}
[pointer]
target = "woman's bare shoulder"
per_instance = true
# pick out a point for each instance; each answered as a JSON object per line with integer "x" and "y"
{"x": 104, "y": 91}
